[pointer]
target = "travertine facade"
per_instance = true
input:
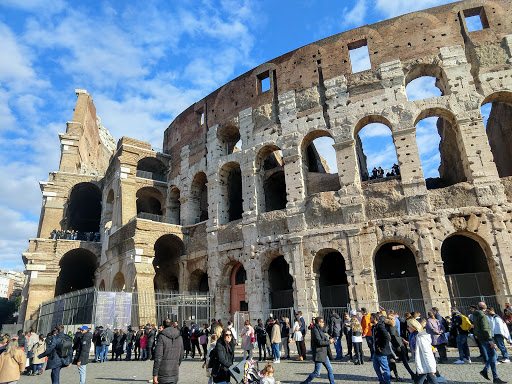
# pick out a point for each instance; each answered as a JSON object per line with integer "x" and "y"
{"x": 218, "y": 206}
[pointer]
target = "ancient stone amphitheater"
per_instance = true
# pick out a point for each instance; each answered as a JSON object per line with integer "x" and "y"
{"x": 240, "y": 203}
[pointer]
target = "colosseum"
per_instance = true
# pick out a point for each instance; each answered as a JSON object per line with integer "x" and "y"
{"x": 240, "y": 203}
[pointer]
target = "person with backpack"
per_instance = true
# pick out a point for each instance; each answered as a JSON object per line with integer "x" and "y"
{"x": 107, "y": 336}
{"x": 461, "y": 325}
{"x": 59, "y": 352}
{"x": 195, "y": 333}
{"x": 82, "y": 352}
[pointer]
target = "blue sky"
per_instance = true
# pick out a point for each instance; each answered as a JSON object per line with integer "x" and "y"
{"x": 143, "y": 63}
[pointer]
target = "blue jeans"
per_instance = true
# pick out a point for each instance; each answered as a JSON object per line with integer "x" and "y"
{"x": 81, "y": 372}
{"x": 369, "y": 341}
{"x": 428, "y": 377}
{"x": 462, "y": 346}
{"x": 380, "y": 364}
{"x": 500, "y": 343}
{"x": 490, "y": 357}
{"x": 37, "y": 368}
{"x": 316, "y": 372}
{"x": 275, "y": 351}
{"x": 129, "y": 352}
{"x": 97, "y": 353}
{"x": 104, "y": 352}
{"x": 338, "y": 347}
{"x": 55, "y": 375}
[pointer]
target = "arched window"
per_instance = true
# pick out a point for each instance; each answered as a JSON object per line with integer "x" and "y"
{"x": 199, "y": 199}
{"x": 149, "y": 203}
{"x": 118, "y": 283}
{"x": 77, "y": 269}
{"x": 168, "y": 250}
{"x": 229, "y": 139}
{"x": 240, "y": 276}
{"x": 281, "y": 284}
{"x": 231, "y": 204}
{"x": 424, "y": 81}
{"x": 319, "y": 162}
{"x": 271, "y": 179}
{"x": 152, "y": 168}
{"x": 330, "y": 270}
{"x": 84, "y": 208}
{"x": 174, "y": 206}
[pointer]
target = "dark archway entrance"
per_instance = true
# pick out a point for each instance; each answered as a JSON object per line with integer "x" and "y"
{"x": 398, "y": 282}
{"x": 238, "y": 279}
{"x": 281, "y": 284}
{"x": 168, "y": 250}
{"x": 84, "y": 208}
{"x": 332, "y": 280}
{"x": 466, "y": 268}
{"x": 77, "y": 269}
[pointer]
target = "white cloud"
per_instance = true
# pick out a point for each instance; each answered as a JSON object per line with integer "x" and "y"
{"x": 324, "y": 147}
{"x": 355, "y": 16}
{"x": 374, "y": 130}
{"x": 400, "y": 7}
{"x": 422, "y": 88}
{"x": 360, "y": 59}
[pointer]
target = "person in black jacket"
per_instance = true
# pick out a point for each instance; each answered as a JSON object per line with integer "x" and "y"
{"x": 56, "y": 362}
{"x": 335, "y": 331}
{"x": 168, "y": 355}
{"x": 261, "y": 338}
{"x": 381, "y": 341}
{"x": 151, "y": 341}
{"x": 223, "y": 356}
{"x": 320, "y": 343}
{"x": 114, "y": 344}
{"x": 398, "y": 345}
{"x": 82, "y": 352}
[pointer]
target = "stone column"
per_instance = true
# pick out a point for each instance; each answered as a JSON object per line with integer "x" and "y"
{"x": 144, "y": 280}
{"x": 501, "y": 260}
{"x": 303, "y": 290}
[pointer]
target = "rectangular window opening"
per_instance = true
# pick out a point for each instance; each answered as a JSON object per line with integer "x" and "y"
{"x": 200, "y": 116}
{"x": 264, "y": 82}
{"x": 476, "y": 20}
{"x": 359, "y": 56}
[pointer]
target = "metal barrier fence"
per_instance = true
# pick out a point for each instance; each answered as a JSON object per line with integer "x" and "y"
{"x": 326, "y": 311}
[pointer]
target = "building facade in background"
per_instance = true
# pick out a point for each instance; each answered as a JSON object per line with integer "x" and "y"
{"x": 240, "y": 203}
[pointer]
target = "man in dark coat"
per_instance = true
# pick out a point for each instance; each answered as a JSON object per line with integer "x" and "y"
{"x": 114, "y": 343}
{"x": 168, "y": 355}
{"x": 82, "y": 352}
{"x": 320, "y": 343}
{"x": 335, "y": 331}
{"x": 151, "y": 341}
{"x": 55, "y": 362}
{"x": 381, "y": 343}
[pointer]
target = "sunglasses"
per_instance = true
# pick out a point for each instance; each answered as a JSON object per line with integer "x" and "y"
{"x": 228, "y": 334}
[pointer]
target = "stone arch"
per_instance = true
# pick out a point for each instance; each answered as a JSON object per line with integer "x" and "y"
{"x": 329, "y": 268}
{"x": 149, "y": 201}
{"x": 280, "y": 283}
{"x": 467, "y": 264}
{"x": 499, "y": 130}
{"x": 83, "y": 213}
{"x": 102, "y": 285}
{"x": 317, "y": 172}
{"x": 428, "y": 70}
{"x": 168, "y": 250}
{"x": 109, "y": 209}
{"x": 152, "y": 168}
{"x": 231, "y": 199}
{"x": 238, "y": 278}
{"x": 229, "y": 136}
{"x": 198, "y": 281}
{"x": 397, "y": 275}
{"x": 174, "y": 209}
{"x": 452, "y": 169}
{"x": 118, "y": 282}
{"x": 199, "y": 198}
{"x": 77, "y": 268}
{"x": 271, "y": 183}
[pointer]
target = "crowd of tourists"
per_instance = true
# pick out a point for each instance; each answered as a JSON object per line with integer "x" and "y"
{"x": 380, "y": 173}
{"x": 74, "y": 235}
{"x": 391, "y": 339}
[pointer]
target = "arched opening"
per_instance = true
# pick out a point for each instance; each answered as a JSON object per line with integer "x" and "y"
{"x": 198, "y": 281}
{"x": 203, "y": 283}
{"x": 84, "y": 208}
{"x": 497, "y": 114}
{"x": 397, "y": 278}
{"x": 281, "y": 284}
{"x": 229, "y": 138}
{"x": 375, "y": 150}
{"x": 330, "y": 270}
{"x": 238, "y": 279}
{"x": 109, "y": 209}
{"x": 118, "y": 283}
{"x": 319, "y": 162}
{"x": 424, "y": 81}
{"x": 149, "y": 202}
{"x": 466, "y": 268}
{"x": 152, "y": 168}
{"x": 174, "y": 206}
{"x": 230, "y": 207}
{"x": 199, "y": 198}
{"x": 168, "y": 250}
{"x": 77, "y": 269}
{"x": 439, "y": 146}
{"x": 272, "y": 183}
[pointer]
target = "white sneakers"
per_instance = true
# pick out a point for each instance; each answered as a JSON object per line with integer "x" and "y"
{"x": 504, "y": 361}
{"x": 276, "y": 361}
{"x": 467, "y": 361}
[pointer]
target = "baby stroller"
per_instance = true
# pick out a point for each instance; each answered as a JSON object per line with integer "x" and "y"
{"x": 246, "y": 372}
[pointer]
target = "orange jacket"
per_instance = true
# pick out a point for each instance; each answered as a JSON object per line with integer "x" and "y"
{"x": 367, "y": 326}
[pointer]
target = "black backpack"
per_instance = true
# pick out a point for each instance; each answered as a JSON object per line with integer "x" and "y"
{"x": 64, "y": 347}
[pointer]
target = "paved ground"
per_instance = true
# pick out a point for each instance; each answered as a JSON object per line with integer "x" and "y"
{"x": 287, "y": 372}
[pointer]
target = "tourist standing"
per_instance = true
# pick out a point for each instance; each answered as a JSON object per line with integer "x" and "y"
{"x": 462, "y": 336}
{"x": 12, "y": 362}
{"x": 356, "y": 340}
{"x": 500, "y": 333}
{"x": 82, "y": 352}
{"x": 203, "y": 340}
{"x": 285, "y": 337}
{"x": 37, "y": 349}
{"x": 194, "y": 339}
{"x": 436, "y": 331}
{"x": 320, "y": 342}
{"x": 275, "y": 340}
{"x": 298, "y": 337}
{"x": 96, "y": 338}
{"x": 223, "y": 356}
{"x": 346, "y": 331}
{"x": 185, "y": 335}
{"x": 168, "y": 355}
{"x": 335, "y": 331}
{"x": 261, "y": 338}
{"x": 381, "y": 343}
{"x": 151, "y": 341}
{"x": 248, "y": 338}
{"x": 367, "y": 331}
{"x": 424, "y": 356}
{"x": 107, "y": 336}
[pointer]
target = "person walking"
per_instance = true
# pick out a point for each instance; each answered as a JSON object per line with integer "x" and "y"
{"x": 381, "y": 343}
{"x": 436, "y": 331}
{"x": 500, "y": 333}
{"x": 222, "y": 357}
{"x": 168, "y": 355}
{"x": 203, "y": 340}
{"x": 275, "y": 340}
{"x": 423, "y": 354}
{"x": 482, "y": 331}
{"x": 82, "y": 352}
{"x": 185, "y": 335}
{"x": 12, "y": 362}
{"x": 462, "y": 336}
{"x": 356, "y": 340}
{"x": 248, "y": 339}
{"x": 37, "y": 349}
{"x": 320, "y": 342}
{"x": 59, "y": 353}
{"x": 367, "y": 331}
{"x": 261, "y": 338}
{"x": 335, "y": 331}
{"x": 397, "y": 343}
